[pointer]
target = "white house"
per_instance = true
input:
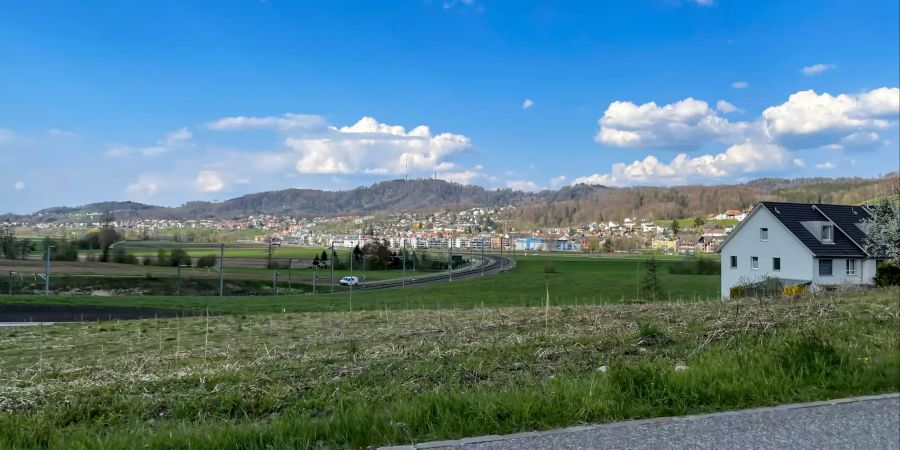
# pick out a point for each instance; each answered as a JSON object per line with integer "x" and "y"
{"x": 798, "y": 243}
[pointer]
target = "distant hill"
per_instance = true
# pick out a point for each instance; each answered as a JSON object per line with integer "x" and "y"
{"x": 570, "y": 205}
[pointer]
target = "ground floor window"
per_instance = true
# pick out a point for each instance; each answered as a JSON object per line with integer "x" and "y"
{"x": 825, "y": 267}
{"x": 754, "y": 262}
{"x": 851, "y": 267}
{"x": 776, "y": 264}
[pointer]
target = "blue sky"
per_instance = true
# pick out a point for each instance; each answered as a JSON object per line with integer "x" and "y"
{"x": 170, "y": 101}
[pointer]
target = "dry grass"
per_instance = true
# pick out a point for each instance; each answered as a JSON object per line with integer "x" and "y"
{"x": 186, "y": 369}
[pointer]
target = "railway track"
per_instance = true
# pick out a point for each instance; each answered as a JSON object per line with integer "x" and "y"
{"x": 495, "y": 265}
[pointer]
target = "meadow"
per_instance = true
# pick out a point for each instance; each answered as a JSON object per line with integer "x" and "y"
{"x": 570, "y": 280}
{"x": 391, "y": 376}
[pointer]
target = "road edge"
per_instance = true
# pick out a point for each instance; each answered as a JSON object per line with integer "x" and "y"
{"x": 580, "y": 428}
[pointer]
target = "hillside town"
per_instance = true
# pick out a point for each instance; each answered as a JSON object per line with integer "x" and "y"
{"x": 469, "y": 229}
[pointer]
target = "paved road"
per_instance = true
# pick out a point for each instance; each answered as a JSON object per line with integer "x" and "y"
{"x": 856, "y": 423}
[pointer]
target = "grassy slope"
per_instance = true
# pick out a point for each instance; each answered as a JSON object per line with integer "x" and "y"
{"x": 574, "y": 281}
{"x": 353, "y": 379}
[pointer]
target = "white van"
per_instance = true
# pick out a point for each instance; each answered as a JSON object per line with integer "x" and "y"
{"x": 349, "y": 281}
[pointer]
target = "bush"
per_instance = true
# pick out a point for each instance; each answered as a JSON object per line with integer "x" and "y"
{"x": 120, "y": 256}
{"x": 696, "y": 266}
{"x": 887, "y": 275}
{"x": 206, "y": 261}
{"x": 549, "y": 267}
{"x": 179, "y": 257}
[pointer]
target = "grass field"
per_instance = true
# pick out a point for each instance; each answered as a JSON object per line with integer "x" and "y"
{"x": 570, "y": 281}
{"x": 355, "y": 379}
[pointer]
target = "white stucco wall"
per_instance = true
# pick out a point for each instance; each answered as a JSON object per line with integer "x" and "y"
{"x": 865, "y": 272}
{"x": 796, "y": 259}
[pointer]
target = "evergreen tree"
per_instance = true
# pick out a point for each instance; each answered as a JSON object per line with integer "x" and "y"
{"x": 675, "y": 227}
{"x": 651, "y": 288}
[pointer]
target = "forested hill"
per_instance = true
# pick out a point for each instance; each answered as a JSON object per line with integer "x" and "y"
{"x": 567, "y": 206}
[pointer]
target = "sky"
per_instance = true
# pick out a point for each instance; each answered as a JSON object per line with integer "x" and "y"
{"x": 165, "y": 102}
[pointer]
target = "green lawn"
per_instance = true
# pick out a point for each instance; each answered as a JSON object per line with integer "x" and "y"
{"x": 572, "y": 281}
{"x": 378, "y": 377}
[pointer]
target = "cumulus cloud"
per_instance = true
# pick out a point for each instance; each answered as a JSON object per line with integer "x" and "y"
{"x": 369, "y": 146}
{"x": 523, "y": 185}
{"x": 19, "y": 185}
{"x": 740, "y": 85}
{"x": 825, "y": 165}
{"x": 737, "y": 160}
{"x": 682, "y": 125}
{"x": 144, "y": 187}
{"x": 527, "y": 103}
{"x": 807, "y": 113}
{"x": 726, "y": 107}
{"x": 286, "y": 122}
{"x": 816, "y": 69}
{"x": 209, "y": 181}
{"x": 805, "y": 120}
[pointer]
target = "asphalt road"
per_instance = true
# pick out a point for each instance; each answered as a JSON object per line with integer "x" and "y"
{"x": 856, "y": 423}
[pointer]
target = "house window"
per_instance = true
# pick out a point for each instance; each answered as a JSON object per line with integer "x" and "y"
{"x": 764, "y": 234}
{"x": 776, "y": 264}
{"x": 827, "y": 233}
{"x": 825, "y": 267}
{"x": 734, "y": 262}
{"x": 851, "y": 267}
{"x": 754, "y": 262}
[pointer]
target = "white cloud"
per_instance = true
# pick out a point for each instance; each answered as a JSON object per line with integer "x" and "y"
{"x": 556, "y": 182}
{"x": 740, "y": 85}
{"x": 209, "y": 181}
{"x": 682, "y": 125}
{"x": 19, "y": 185}
{"x": 527, "y": 103}
{"x": 118, "y": 151}
{"x": 726, "y": 107}
{"x": 56, "y": 132}
{"x": 816, "y": 69}
{"x": 799, "y": 163}
{"x": 462, "y": 176}
{"x": 737, "y": 160}
{"x": 177, "y": 138}
{"x": 372, "y": 147}
{"x": 286, "y": 122}
{"x": 145, "y": 186}
{"x": 523, "y": 185}
{"x": 806, "y": 112}
{"x": 825, "y": 165}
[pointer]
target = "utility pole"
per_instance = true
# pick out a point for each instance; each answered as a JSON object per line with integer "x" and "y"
{"x": 315, "y": 278}
{"x": 178, "y": 279}
{"x": 275, "y": 282}
{"x": 482, "y": 255}
{"x": 290, "y": 266}
{"x": 403, "y": 278}
{"x": 222, "y": 270}
{"x": 11, "y": 282}
{"x": 332, "y": 266}
{"x": 47, "y": 273}
{"x": 450, "y": 258}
